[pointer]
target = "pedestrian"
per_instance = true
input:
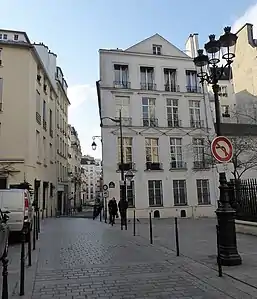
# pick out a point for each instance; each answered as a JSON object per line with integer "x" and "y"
{"x": 123, "y": 205}
{"x": 113, "y": 210}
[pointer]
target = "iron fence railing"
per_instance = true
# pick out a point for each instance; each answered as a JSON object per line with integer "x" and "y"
{"x": 243, "y": 198}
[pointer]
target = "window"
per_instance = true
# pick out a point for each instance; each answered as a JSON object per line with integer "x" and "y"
{"x": 121, "y": 76}
{"x": 38, "y": 146}
{"x": 157, "y": 49}
{"x": 51, "y": 153}
{"x": 44, "y": 114}
{"x": 16, "y": 37}
{"x": 51, "y": 122}
{"x": 198, "y": 149}
{"x": 44, "y": 148}
{"x": 152, "y": 150}
{"x": 122, "y": 103}
{"x": 203, "y": 192}
{"x": 147, "y": 78}
{"x": 155, "y": 193}
{"x": 176, "y": 152}
{"x": 194, "y": 114}
{"x": 148, "y": 107}
{"x": 1, "y": 57}
{"x": 225, "y": 110}
{"x": 223, "y": 92}
{"x": 170, "y": 80}
{"x": 179, "y": 192}
{"x": 172, "y": 113}
{"x": 127, "y": 149}
{"x": 192, "y": 84}
{"x": 130, "y": 195}
{"x": 5, "y": 36}
{"x": 1, "y": 94}
{"x": 38, "y": 106}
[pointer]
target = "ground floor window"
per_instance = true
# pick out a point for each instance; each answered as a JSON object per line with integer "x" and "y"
{"x": 155, "y": 193}
{"x": 203, "y": 192}
{"x": 180, "y": 192}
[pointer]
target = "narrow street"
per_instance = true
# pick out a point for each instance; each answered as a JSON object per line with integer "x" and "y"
{"x": 82, "y": 258}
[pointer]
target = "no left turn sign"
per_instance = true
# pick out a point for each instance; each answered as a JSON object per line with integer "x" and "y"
{"x": 222, "y": 149}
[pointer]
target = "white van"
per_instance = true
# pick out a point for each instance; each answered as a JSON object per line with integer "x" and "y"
{"x": 18, "y": 203}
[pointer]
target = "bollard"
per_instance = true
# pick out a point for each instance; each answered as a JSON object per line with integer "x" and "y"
{"x": 151, "y": 228}
{"x": 29, "y": 247}
{"x": 101, "y": 215}
{"x": 134, "y": 223}
{"x": 176, "y": 235}
{"x": 22, "y": 270}
{"x": 218, "y": 251}
{"x": 34, "y": 232}
{"x": 5, "y": 276}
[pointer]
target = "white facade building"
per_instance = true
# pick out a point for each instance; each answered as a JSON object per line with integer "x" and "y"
{"x": 92, "y": 174}
{"x": 164, "y": 121}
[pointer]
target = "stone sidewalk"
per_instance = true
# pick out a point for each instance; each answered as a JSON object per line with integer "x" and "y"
{"x": 197, "y": 238}
{"x": 82, "y": 258}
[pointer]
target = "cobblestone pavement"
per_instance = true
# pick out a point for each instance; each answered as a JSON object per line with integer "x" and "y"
{"x": 82, "y": 258}
{"x": 197, "y": 238}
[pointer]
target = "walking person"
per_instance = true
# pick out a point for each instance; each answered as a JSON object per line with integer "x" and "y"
{"x": 113, "y": 210}
{"x": 123, "y": 213}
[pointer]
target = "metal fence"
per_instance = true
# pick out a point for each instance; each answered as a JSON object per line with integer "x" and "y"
{"x": 243, "y": 198}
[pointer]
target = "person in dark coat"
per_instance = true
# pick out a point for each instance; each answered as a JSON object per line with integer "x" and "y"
{"x": 123, "y": 205}
{"x": 113, "y": 210}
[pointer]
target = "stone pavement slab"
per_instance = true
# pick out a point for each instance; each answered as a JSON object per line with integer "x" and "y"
{"x": 82, "y": 258}
{"x": 197, "y": 238}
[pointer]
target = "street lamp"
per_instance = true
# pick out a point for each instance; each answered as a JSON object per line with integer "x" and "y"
{"x": 210, "y": 71}
{"x": 123, "y": 201}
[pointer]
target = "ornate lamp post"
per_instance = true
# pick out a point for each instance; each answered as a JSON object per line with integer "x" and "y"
{"x": 123, "y": 182}
{"x": 210, "y": 71}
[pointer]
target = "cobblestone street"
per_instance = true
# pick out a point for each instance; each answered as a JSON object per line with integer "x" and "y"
{"x": 82, "y": 258}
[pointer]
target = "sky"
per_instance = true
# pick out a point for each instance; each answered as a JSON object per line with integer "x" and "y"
{"x": 76, "y": 29}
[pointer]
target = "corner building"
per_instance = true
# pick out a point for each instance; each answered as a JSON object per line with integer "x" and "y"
{"x": 165, "y": 120}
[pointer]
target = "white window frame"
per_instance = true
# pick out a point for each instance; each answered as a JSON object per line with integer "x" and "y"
{"x": 147, "y": 74}
{"x": 191, "y": 79}
{"x": 148, "y": 111}
{"x": 176, "y": 152}
{"x": 198, "y": 149}
{"x": 179, "y": 185}
{"x": 152, "y": 146}
{"x": 195, "y": 113}
{"x": 154, "y": 182}
{"x": 157, "y": 49}
{"x": 200, "y": 192}
{"x": 127, "y": 150}
{"x": 172, "y": 117}
{"x": 123, "y": 70}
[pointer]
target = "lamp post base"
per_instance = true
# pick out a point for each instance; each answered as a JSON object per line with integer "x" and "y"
{"x": 229, "y": 255}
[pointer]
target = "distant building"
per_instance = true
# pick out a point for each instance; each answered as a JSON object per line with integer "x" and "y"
{"x": 75, "y": 179}
{"x": 93, "y": 176}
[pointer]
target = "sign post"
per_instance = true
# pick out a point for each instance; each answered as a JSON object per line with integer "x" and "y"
{"x": 222, "y": 149}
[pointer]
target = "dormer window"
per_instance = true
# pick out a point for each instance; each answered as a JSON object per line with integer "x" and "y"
{"x": 5, "y": 36}
{"x": 157, "y": 50}
{"x": 16, "y": 37}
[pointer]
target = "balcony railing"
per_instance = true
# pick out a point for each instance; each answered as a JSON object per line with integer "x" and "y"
{"x": 121, "y": 84}
{"x": 38, "y": 118}
{"x": 174, "y": 123}
{"x": 154, "y": 166}
{"x": 178, "y": 165}
{"x": 171, "y": 87}
{"x": 126, "y": 166}
{"x": 148, "y": 86}
{"x": 193, "y": 89}
{"x": 150, "y": 122}
{"x": 201, "y": 165}
{"x": 125, "y": 121}
{"x": 196, "y": 123}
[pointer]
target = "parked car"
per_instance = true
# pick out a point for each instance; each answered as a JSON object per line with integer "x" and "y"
{"x": 18, "y": 202}
{"x": 4, "y": 233}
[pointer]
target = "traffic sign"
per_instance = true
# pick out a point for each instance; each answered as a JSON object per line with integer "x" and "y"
{"x": 105, "y": 187}
{"x": 106, "y": 193}
{"x": 111, "y": 185}
{"x": 222, "y": 149}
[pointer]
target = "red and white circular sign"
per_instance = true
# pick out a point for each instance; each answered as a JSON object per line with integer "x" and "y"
{"x": 222, "y": 149}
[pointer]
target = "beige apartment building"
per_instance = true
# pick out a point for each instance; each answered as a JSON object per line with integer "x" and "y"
{"x": 32, "y": 101}
{"x": 245, "y": 62}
